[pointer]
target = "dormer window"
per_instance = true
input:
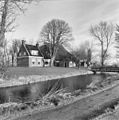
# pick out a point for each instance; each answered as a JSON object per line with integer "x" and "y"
{"x": 34, "y": 52}
{"x": 20, "y": 54}
{"x": 24, "y": 53}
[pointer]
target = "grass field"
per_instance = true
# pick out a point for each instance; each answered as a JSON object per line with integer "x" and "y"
{"x": 25, "y": 71}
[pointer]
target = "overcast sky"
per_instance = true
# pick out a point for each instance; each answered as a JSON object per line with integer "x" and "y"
{"x": 80, "y": 14}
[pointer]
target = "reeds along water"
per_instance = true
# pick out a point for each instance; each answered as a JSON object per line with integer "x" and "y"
{"x": 2, "y": 98}
{"x": 50, "y": 87}
{"x": 38, "y": 90}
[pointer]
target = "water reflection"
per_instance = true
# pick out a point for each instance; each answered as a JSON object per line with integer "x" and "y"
{"x": 35, "y": 91}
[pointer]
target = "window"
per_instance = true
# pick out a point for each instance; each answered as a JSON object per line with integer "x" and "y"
{"x": 34, "y": 52}
{"x": 24, "y": 53}
{"x": 39, "y": 61}
{"x": 46, "y": 62}
{"x": 33, "y": 61}
{"x": 19, "y": 54}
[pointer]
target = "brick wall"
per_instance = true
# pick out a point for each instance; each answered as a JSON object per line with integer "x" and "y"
{"x": 23, "y": 61}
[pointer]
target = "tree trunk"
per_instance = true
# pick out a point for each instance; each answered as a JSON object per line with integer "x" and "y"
{"x": 102, "y": 56}
{"x": 3, "y": 22}
{"x": 53, "y": 57}
{"x": 12, "y": 60}
{"x": 8, "y": 61}
{"x": 52, "y": 61}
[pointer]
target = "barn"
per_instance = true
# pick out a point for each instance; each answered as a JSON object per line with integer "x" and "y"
{"x": 63, "y": 57}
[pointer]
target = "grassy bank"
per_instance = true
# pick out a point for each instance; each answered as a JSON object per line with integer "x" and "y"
{"x": 109, "y": 111}
{"x": 23, "y": 76}
{"x": 63, "y": 105}
{"x": 102, "y": 110}
{"x": 15, "y": 72}
{"x": 70, "y": 101}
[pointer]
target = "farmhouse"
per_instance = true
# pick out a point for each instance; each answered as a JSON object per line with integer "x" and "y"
{"x": 39, "y": 56}
{"x": 29, "y": 56}
{"x": 63, "y": 57}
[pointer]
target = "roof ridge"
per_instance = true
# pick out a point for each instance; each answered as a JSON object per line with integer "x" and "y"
{"x": 26, "y": 49}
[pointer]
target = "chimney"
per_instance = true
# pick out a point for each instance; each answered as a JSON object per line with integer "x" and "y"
{"x": 23, "y": 42}
{"x": 37, "y": 45}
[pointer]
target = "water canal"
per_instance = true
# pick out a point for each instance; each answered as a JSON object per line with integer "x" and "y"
{"x": 32, "y": 92}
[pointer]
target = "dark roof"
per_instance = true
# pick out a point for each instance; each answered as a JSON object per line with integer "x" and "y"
{"x": 45, "y": 51}
{"x": 62, "y": 53}
{"x": 33, "y": 47}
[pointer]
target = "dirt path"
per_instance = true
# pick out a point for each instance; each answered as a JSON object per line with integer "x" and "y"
{"x": 77, "y": 110}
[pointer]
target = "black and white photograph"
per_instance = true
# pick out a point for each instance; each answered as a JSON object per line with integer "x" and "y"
{"x": 59, "y": 59}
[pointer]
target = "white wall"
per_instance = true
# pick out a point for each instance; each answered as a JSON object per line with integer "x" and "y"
{"x": 35, "y": 61}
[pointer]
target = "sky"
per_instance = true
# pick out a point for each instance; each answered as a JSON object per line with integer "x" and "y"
{"x": 80, "y": 14}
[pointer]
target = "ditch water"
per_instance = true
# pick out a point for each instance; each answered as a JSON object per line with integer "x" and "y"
{"x": 34, "y": 91}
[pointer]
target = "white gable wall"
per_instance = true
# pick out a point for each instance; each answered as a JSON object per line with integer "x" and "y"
{"x": 35, "y": 61}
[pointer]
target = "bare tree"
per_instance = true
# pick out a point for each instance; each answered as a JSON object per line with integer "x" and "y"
{"x": 117, "y": 40}
{"x": 55, "y": 33}
{"x": 14, "y": 49}
{"x": 9, "y": 9}
{"x": 84, "y": 52}
{"x": 103, "y": 33}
